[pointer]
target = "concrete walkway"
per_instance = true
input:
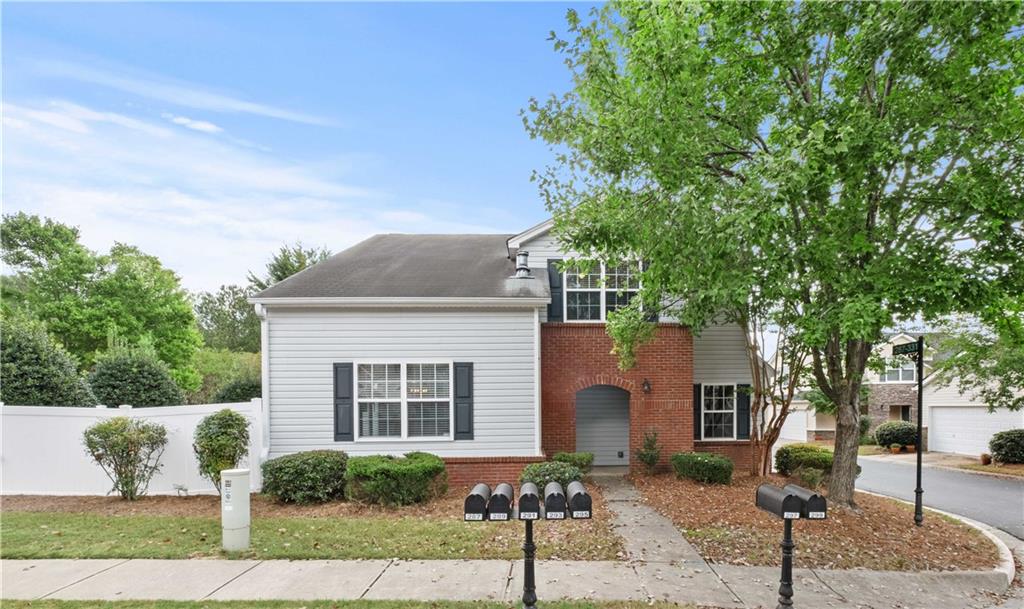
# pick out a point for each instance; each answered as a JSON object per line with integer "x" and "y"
{"x": 660, "y": 565}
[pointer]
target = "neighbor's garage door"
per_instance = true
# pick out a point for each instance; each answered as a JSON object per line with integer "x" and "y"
{"x": 967, "y": 430}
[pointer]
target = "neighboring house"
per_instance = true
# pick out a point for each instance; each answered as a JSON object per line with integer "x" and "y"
{"x": 961, "y": 423}
{"x": 478, "y": 349}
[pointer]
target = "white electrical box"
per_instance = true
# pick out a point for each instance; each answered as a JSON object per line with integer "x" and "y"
{"x": 234, "y": 509}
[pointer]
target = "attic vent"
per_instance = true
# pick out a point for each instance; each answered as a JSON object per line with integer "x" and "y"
{"x": 522, "y": 268}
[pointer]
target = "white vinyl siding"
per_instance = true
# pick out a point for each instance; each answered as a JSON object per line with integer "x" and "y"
{"x": 720, "y": 356}
{"x": 304, "y": 344}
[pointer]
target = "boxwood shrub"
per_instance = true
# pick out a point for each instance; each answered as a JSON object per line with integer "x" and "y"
{"x": 903, "y": 433}
{"x": 136, "y": 377}
{"x": 584, "y": 461}
{"x": 550, "y": 471}
{"x": 703, "y": 467}
{"x": 389, "y": 480}
{"x": 791, "y": 457}
{"x": 314, "y": 476}
{"x": 1008, "y": 446}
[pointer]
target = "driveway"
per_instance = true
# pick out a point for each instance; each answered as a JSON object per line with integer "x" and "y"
{"x": 996, "y": 501}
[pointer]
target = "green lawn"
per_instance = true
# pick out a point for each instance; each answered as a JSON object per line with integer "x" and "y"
{"x": 51, "y": 604}
{"x": 77, "y": 535}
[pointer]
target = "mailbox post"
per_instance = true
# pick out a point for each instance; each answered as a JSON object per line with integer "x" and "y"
{"x": 789, "y": 503}
{"x": 484, "y": 504}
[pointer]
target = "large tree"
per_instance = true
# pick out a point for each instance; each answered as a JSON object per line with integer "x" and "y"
{"x": 869, "y": 155}
{"x": 287, "y": 261}
{"x": 227, "y": 320}
{"x": 84, "y": 297}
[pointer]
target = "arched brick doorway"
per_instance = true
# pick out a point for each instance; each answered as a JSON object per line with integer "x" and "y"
{"x": 602, "y": 424}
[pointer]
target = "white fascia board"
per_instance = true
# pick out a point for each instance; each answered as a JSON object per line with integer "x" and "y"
{"x": 402, "y": 302}
{"x": 531, "y": 232}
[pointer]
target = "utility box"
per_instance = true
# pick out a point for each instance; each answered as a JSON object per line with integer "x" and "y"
{"x": 234, "y": 509}
{"x": 554, "y": 501}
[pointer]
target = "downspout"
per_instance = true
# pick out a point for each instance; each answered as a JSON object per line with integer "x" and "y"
{"x": 536, "y": 380}
{"x": 264, "y": 316}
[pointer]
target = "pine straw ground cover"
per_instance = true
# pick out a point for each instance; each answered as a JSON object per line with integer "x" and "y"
{"x": 726, "y": 527}
{"x": 189, "y": 527}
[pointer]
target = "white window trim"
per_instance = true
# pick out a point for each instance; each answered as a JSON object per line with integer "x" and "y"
{"x": 735, "y": 411}
{"x": 885, "y": 373}
{"x": 603, "y": 290}
{"x": 404, "y": 400}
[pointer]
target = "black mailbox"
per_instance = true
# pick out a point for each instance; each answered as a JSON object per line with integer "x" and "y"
{"x": 579, "y": 500}
{"x": 554, "y": 501}
{"x": 782, "y": 503}
{"x": 814, "y": 507}
{"x": 476, "y": 502}
{"x": 529, "y": 502}
{"x": 500, "y": 505}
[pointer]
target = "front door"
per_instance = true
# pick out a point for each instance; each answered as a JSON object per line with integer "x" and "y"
{"x": 602, "y": 424}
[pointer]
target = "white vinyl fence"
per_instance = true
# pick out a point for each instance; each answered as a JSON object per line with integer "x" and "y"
{"x": 41, "y": 451}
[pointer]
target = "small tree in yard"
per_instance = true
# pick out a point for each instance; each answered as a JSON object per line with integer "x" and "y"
{"x": 129, "y": 452}
{"x": 650, "y": 453}
{"x": 221, "y": 441}
{"x": 851, "y": 165}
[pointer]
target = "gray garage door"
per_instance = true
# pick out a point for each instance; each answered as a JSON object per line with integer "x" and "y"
{"x": 602, "y": 424}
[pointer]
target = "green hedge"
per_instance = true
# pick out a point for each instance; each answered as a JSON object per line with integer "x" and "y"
{"x": 791, "y": 457}
{"x": 903, "y": 433}
{"x": 35, "y": 370}
{"x": 584, "y": 461}
{"x": 314, "y": 476}
{"x": 136, "y": 377}
{"x": 388, "y": 480}
{"x": 550, "y": 471}
{"x": 239, "y": 390}
{"x": 703, "y": 467}
{"x": 1008, "y": 446}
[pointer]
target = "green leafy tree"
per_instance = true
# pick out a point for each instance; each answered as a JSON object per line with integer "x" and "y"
{"x": 288, "y": 260}
{"x": 219, "y": 367}
{"x": 35, "y": 370}
{"x": 82, "y": 296}
{"x": 227, "y": 320}
{"x": 867, "y": 155}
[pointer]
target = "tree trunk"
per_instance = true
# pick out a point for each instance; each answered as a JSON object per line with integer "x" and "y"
{"x": 844, "y": 464}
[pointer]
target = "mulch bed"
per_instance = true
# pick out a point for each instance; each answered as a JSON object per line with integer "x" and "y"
{"x": 726, "y": 527}
{"x": 592, "y": 539}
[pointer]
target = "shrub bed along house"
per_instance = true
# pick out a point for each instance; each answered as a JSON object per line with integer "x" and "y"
{"x": 314, "y": 476}
{"x": 388, "y": 480}
{"x": 584, "y": 461}
{"x": 903, "y": 433}
{"x": 1007, "y": 446}
{"x": 703, "y": 467}
{"x": 792, "y": 457}
{"x": 550, "y": 471}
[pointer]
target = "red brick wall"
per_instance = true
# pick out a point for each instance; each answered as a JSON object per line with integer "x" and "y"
{"x": 739, "y": 452}
{"x": 577, "y": 356}
{"x": 466, "y": 471}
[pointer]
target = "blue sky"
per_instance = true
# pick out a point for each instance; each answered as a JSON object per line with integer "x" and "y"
{"x": 209, "y": 134}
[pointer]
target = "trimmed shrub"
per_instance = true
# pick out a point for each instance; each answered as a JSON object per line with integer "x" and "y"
{"x": 703, "y": 467}
{"x": 584, "y": 461}
{"x": 793, "y": 456}
{"x": 650, "y": 453}
{"x": 136, "y": 377}
{"x": 550, "y": 471}
{"x": 388, "y": 480}
{"x": 314, "y": 476}
{"x": 36, "y": 371}
{"x": 903, "y": 433}
{"x": 221, "y": 441}
{"x": 129, "y": 452}
{"x": 810, "y": 477}
{"x": 1008, "y": 446}
{"x": 239, "y": 390}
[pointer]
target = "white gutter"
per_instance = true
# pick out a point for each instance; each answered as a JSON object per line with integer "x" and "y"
{"x": 400, "y": 301}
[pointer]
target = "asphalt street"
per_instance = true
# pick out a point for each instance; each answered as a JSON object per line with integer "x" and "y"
{"x": 997, "y": 501}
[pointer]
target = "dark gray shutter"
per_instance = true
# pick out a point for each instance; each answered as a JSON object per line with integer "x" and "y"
{"x": 555, "y": 283}
{"x": 742, "y": 412}
{"x": 697, "y": 423}
{"x": 343, "y": 398}
{"x": 463, "y": 400}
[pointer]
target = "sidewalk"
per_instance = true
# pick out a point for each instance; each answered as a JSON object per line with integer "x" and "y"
{"x": 660, "y": 565}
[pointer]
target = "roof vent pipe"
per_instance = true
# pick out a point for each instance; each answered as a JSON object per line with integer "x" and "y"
{"x": 522, "y": 268}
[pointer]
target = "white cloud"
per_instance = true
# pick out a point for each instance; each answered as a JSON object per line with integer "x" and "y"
{"x": 170, "y": 91}
{"x": 209, "y": 208}
{"x": 184, "y": 121}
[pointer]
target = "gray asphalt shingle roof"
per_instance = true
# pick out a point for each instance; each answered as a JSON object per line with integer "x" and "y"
{"x": 415, "y": 266}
